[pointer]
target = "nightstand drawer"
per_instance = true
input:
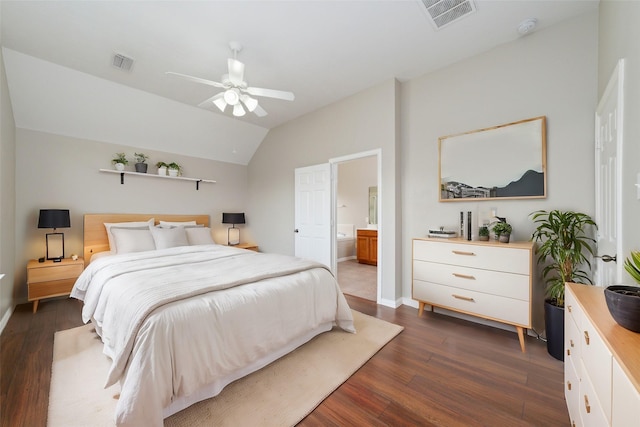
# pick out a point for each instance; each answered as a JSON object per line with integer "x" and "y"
{"x": 50, "y": 289}
{"x": 56, "y": 272}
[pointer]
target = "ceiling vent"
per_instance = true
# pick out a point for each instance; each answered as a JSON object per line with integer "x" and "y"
{"x": 445, "y": 12}
{"x": 122, "y": 62}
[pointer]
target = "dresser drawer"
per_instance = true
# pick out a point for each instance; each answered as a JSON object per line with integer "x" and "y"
{"x": 572, "y": 390}
{"x": 57, "y": 272}
{"x": 507, "y": 259}
{"x": 597, "y": 361}
{"x": 491, "y": 282}
{"x": 471, "y": 302}
{"x": 592, "y": 412}
{"x": 50, "y": 289}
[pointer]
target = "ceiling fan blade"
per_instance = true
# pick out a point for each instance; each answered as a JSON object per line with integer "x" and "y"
{"x": 259, "y": 111}
{"x": 270, "y": 93}
{"x": 196, "y": 79}
{"x": 236, "y": 71}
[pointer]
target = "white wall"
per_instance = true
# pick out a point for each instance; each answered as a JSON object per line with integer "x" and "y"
{"x": 7, "y": 198}
{"x": 619, "y": 35}
{"x": 54, "y": 171}
{"x": 354, "y": 179}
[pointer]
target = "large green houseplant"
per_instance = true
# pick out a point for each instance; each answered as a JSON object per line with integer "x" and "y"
{"x": 566, "y": 244}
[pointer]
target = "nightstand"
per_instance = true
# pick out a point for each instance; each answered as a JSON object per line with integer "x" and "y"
{"x": 249, "y": 246}
{"x": 51, "y": 279}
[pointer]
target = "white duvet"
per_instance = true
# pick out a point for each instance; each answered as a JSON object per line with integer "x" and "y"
{"x": 176, "y": 320}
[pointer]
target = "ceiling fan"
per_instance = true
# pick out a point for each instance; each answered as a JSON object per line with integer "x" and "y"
{"x": 236, "y": 91}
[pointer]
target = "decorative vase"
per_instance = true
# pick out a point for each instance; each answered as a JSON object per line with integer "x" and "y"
{"x": 173, "y": 172}
{"x": 554, "y": 327}
{"x": 119, "y": 166}
{"x": 141, "y": 167}
{"x": 162, "y": 170}
{"x": 624, "y": 305}
{"x": 504, "y": 238}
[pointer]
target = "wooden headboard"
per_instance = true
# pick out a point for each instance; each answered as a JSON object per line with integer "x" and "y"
{"x": 95, "y": 235}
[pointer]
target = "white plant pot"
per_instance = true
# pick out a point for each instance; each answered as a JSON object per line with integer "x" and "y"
{"x": 162, "y": 171}
{"x": 119, "y": 166}
{"x": 173, "y": 172}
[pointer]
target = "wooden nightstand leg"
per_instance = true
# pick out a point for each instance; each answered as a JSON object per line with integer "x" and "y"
{"x": 35, "y": 305}
{"x": 420, "y": 308}
{"x": 521, "y": 338}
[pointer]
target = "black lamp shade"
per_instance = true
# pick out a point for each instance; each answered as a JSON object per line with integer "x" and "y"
{"x": 54, "y": 218}
{"x": 233, "y": 218}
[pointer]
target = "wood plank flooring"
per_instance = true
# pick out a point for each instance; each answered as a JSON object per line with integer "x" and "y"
{"x": 439, "y": 371}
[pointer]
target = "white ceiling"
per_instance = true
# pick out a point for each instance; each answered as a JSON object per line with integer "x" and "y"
{"x": 322, "y": 51}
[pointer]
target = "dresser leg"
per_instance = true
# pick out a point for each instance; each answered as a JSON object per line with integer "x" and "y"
{"x": 521, "y": 337}
{"x": 420, "y": 308}
{"x": 35, "y": 305}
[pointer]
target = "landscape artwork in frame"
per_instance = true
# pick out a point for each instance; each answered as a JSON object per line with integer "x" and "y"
{"x": 501, "y": 162}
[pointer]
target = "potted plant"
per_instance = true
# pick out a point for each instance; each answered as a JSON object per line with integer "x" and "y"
{"x": 623, "y": 301}
{"x": 141, "y": 162}
{"x": 483, "y": 233}
{"x": 119, "y": 161}
{"x": 502, "y": 230}
{"x": 566, "y": 243}
{"x": 174, "y": 169}
{"x": 162, "y": 168}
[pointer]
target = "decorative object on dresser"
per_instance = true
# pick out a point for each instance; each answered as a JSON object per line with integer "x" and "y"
{"x": 119, "y": 161}
{"x": 484, "y": 279}
{"x": 601, "y": 369}
{"x": 502, "y": 229}
{"x": 162, "y": 168}
{"x": 48, "y": 279}
{"x": 566, "y": 240}
{"x": 141, "y": 162}
{"x": 233, "y": 233}
{"x": 623, "y": 301}
{"x": 54, "y": 218}
{"x": 367, "y": 246}
{"x": 483, "y": 234}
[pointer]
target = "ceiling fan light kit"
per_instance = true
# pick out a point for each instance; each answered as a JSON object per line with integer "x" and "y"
{"x": 236, "y": 91}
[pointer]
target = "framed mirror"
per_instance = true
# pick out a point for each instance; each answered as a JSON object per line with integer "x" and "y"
{"x": 501, "y": 162}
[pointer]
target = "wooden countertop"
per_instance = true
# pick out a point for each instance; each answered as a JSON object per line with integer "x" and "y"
{"x": 492, "y": 242}
{"x": 623, "y": 343}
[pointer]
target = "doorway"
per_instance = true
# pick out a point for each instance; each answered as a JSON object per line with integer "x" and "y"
{"x": 355, "y": 178}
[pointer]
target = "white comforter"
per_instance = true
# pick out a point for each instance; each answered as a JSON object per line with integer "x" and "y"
{"x": 175, "y": 320}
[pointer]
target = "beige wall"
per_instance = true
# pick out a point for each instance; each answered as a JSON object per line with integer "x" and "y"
{"x": 54, "y": 171}
{"x": 7, "y": 200}
{"x": 619, "y": 35}
{"x": 354, "y": 179}
{"x": 359, "y": 123}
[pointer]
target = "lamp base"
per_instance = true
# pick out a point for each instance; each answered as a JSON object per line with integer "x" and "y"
{"x": 233, "y": 236}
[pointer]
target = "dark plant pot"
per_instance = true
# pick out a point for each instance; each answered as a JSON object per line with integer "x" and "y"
{"x": 141, "y": 167}
{"x": 554, "y": 325}
{"x": 504, "y": 238}
{"x": 624, "y": 305}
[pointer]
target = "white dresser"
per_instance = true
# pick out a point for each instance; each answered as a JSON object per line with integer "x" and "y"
{"x": 491, "y": 280}
{"x": 602, "y": 362}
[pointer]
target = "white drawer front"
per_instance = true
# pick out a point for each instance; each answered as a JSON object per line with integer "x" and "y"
{"x": 626, "y": 400}
{"x": 491, "y": 282}
{"x": 506, "y": 259}
{"x": 591, "y": 410}
{"x": 597, "y": 362}
{"x": 572, "y": 390}
{"x": 572, "y": 340}
{"x": 477, "y": 303}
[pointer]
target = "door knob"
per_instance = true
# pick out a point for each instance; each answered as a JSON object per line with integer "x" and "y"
{"x": 608, "y": 258}
{"x": 296, "y": 231}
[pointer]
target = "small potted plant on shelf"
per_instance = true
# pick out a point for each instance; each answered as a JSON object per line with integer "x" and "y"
{"x": 162, "y": 168}
{"x": 623, "y": 301}
{"x": 502, "y": 230}
{"x": 141, "y": 162}
{"x": 174, "y": 169}
{"x": 119, "y": 161}
{"x": 483, "y": 233}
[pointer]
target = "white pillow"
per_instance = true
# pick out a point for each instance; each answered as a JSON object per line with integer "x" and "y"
{"x": 132, "y": 224}
{"x": 132, "y": 240}
{"x": 169, "y": 237}
{"x": 169, "y": 224}
{"x": 199, "y": 236}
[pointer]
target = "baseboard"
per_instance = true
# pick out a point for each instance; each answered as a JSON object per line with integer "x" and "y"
{"x": 347, "y": 258}
{"x": 6, "y": 317}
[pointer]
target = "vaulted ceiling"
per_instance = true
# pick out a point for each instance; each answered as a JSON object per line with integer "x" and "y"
{"x": 322, "y": 51}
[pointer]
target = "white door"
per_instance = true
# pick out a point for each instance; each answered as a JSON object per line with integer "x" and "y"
{"x": 609, "y": 143}
{"x": 313, "y": 213}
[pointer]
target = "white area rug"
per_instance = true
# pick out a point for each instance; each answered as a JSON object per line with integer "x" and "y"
{"x": 281, "y": 394}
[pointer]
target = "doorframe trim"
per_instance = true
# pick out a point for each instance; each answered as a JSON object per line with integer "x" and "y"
{"x": 334, "y": 162}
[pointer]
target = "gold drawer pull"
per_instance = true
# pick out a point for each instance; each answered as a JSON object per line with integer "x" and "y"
{"x": 586, "y": 337}
{"x": 587, "y": 407}
{"x": 568, "y": 352}
{"x": 568, "y": 385}
{"x": 569, "y": 308}
{"x": 464, "y": 276}
{"x": 463, "y": 253}
{"x": 462, "y": 298}
{"x": 571, "y": 342}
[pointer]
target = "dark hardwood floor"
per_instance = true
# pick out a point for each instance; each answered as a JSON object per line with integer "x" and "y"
{"x": 439, "y": 371}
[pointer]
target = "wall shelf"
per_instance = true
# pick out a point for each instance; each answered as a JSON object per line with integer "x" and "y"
{"x": 150, "y": 175}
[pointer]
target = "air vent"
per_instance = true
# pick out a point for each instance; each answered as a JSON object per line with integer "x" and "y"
{"x": 445, "y": 12}
{"x": 122, "y": 62}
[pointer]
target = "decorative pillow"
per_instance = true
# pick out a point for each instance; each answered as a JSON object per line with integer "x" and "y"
{"x": 132, "y": 224}
{"x": 199, "y": 236}
{"x": 132, "y": 240}
{"x": 169, "y": 224}
{"x": 169, "y": 237}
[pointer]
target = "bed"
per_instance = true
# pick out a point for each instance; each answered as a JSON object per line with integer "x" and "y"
{"x": 184, "y": 318}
